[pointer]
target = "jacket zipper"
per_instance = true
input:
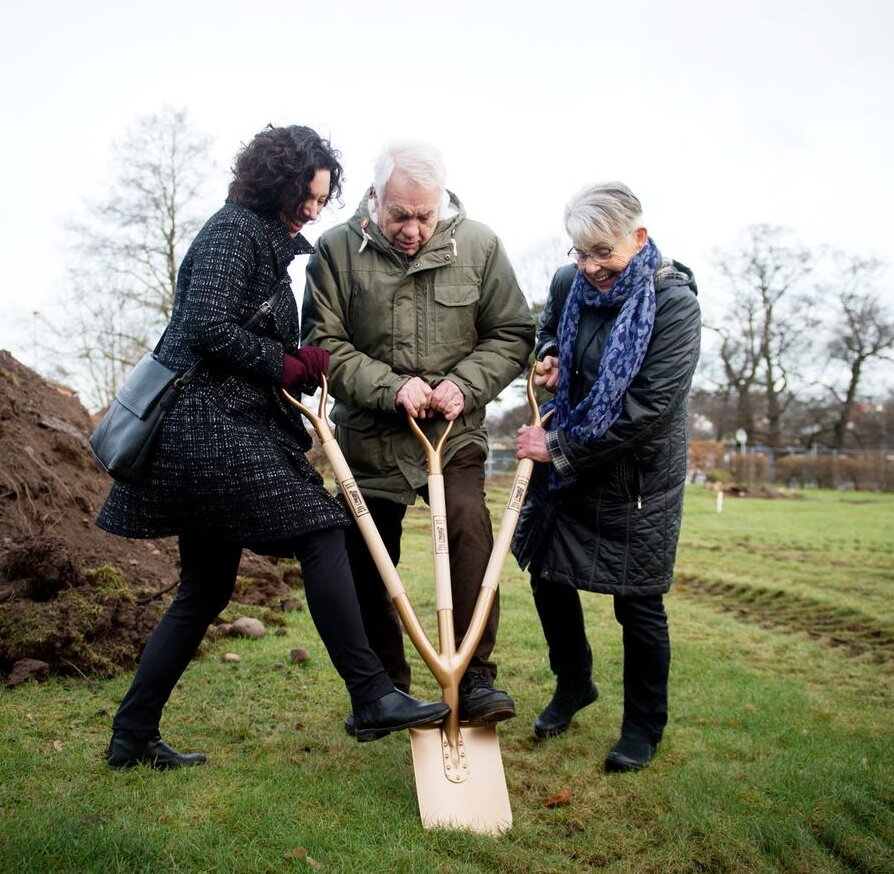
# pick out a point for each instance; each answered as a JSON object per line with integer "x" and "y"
{"x": 639, "y": 483}
{"x": 633, "y": 478}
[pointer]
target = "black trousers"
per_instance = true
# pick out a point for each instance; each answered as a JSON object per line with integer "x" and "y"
{"x": 207, "y": 577}
{"x": 647, "y": 651}
{"x": 470, "y": 541}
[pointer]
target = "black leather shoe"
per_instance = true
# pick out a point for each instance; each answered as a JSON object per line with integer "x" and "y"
{"x": 480, "y": 703}
{"x": 351, "y": 728}
{"x": 570, "y": 696}
{"x": 128, "y": 750}
{"x": 394, "y": 712}
{"x": 629, "y": 754}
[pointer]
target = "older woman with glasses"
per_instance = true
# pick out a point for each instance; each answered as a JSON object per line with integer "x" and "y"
{"x": 618, "y": 342}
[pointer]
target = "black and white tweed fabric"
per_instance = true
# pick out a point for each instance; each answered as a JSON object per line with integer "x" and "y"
{"x": 231, "y": 460}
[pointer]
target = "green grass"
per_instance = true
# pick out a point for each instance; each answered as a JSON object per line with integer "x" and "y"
{"x": 777, "y": 757}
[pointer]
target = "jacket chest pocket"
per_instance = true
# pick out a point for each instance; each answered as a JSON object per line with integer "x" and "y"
{"x": 455, "y": 310}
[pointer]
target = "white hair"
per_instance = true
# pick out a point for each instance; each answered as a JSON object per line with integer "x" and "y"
{"x": 421, "y": 162}
{"x": 600, "y": 213}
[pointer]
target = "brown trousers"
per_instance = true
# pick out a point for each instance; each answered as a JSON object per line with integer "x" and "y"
{"x": 470, "y": 540}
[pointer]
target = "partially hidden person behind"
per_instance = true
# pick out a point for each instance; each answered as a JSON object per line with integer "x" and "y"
{"x": 618, "y": 343}
{"x": 421, "y": 313}
{"x": 230, "y": 469}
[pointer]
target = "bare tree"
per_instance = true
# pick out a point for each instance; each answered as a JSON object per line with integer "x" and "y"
{"x": 738, "y": 356}
{"x": 131, "y": 244}
{"x": 769, "y": 324}
{"x": 863, "y": 333}
{"x": 534, "y": 271}
{"x": 536, "y": 266}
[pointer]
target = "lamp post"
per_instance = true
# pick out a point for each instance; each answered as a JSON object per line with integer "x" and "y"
{"x": 741, "y": 448}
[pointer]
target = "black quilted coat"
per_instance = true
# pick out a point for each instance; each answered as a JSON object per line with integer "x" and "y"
{"x": 615, "y": 530}
{"x": 231, "y": 460}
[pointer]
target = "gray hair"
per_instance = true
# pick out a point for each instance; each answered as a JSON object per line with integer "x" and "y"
{"x": 421, "y": 162}
{"x": 601, "y": 213}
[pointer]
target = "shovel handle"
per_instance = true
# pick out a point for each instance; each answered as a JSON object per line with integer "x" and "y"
{"x": 437, "y": 501}
{"x": 503, "y": 540}
{"x": 446, "y": 669}
{"x": 432, "y": 452}
{"x": 362, "y": 517}
{"x": 536, "y": 418}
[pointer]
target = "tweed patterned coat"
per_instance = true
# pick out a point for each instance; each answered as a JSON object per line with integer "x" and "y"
{"x": 230, "y": 461}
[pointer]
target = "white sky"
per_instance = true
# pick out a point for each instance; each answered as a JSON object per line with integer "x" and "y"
{"x": 718, "y": 115}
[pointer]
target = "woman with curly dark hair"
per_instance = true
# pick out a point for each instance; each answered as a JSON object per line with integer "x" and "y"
{"x": 230, "y": 469}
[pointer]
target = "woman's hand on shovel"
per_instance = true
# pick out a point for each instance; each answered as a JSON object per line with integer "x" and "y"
{"x": 531, "y": 443}
{"x": 546, "y": 373}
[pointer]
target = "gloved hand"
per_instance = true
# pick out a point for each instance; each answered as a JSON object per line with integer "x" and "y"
{"x": 303, "y": 369}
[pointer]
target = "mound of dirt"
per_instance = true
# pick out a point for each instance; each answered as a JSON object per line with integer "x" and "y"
{"x": 72, "y": 595}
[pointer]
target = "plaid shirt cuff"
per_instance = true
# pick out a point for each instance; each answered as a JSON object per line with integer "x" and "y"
{"x": 559, "y": 459}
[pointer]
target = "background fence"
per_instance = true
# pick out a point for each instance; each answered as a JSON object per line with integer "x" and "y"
{"x": 754, "y": 467}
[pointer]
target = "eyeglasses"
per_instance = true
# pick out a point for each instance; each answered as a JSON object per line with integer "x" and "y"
{"x": 600, "y": 254}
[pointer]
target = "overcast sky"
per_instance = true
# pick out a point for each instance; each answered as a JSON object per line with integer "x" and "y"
{"x": 717, "y": 115}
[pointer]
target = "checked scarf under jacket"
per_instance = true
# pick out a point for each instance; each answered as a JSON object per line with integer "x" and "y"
{"x": 634, "y": 292}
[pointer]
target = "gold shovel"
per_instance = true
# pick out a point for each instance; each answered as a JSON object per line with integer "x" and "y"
{"x": 460, "y": 782}
{"x": 469, "y": 791}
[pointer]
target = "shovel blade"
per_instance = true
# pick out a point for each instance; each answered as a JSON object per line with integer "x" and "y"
{"x": 475, "y": 799}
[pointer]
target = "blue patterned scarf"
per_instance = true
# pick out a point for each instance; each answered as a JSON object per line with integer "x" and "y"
{"x": 634, "y": 293}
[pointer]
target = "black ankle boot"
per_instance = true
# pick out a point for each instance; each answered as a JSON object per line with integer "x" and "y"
{"x": 480, "y": 703}
{"x": 571, "y": 695}
{"x": 127, "y": 750}
{"x": 351, "y": 728}
{"x": 630, "y": 753}
{"x": 394, "y": 712}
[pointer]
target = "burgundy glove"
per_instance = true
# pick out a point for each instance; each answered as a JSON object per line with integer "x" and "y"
{"x": 304, "y": 368}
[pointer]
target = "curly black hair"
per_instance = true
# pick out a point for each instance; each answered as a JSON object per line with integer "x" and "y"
{"x": 272, "y": 174}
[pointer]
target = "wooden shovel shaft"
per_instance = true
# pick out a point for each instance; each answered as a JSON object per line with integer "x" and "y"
{"x": 491, "y": 580}
{"x": 446, "y": 667}
{"x": 368, "y": 529}
{"x": 437, "y": 501}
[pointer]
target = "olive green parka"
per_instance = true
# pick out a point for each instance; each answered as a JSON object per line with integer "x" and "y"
{"x": 452, "y": 311}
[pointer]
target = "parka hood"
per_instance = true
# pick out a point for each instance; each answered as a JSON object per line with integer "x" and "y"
{"x": 673, "y": 274}
{"x": 368, "y": 232}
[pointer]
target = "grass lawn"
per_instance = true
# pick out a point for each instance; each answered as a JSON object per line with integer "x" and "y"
{"x": 778, "y": 756}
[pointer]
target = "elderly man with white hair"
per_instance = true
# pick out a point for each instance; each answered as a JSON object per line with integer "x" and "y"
{"x": 421, "y": 313}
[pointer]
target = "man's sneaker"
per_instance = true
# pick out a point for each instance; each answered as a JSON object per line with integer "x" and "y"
{"x": 480, "y": 703}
